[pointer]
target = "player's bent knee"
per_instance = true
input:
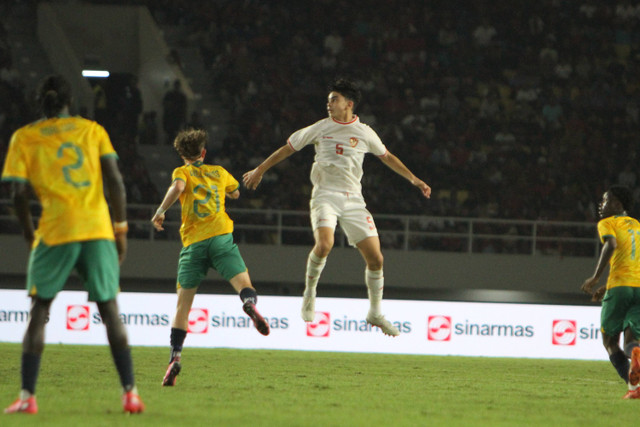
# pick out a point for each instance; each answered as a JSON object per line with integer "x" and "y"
{"x": 322, "y": 251}
{"x": 375, "y": 263}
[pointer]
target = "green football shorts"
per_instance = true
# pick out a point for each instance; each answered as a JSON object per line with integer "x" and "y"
{"x": 621, "y": 310}
{"x": 218, "y": 252}
{"x": 96, "y": 261}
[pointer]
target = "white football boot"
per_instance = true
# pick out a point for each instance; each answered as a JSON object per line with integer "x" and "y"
{"x": 382, "y": 323}
{"x": 308, "y": 311}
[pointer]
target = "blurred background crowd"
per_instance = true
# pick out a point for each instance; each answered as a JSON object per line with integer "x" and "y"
{"x": 508, "y": 109}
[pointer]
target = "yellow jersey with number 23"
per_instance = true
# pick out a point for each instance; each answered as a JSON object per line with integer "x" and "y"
{"x": 203, "y": 200}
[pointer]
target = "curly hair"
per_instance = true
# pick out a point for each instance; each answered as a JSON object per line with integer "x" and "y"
{"x": 190, "y": 142}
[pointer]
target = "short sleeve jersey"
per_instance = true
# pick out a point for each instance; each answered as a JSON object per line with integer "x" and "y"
{"x": 203, "y": 201}
{"x": 340, "y": 149}
{"x": 625, "y": 262}
{"x": 60, "y": 158}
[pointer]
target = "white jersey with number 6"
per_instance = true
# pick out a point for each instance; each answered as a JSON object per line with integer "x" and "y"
{"x": 340, "y": 149}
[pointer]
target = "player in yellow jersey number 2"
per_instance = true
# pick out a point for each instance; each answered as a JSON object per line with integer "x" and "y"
{"x": 207, "y": 238}
{"x": 64, "y": 160}
{"x": 620, "y": 235}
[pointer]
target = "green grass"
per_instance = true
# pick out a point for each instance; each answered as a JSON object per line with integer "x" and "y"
{"x": 78, "y": 386}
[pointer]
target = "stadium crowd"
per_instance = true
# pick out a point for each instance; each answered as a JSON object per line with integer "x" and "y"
{"x": 512, "y": 109}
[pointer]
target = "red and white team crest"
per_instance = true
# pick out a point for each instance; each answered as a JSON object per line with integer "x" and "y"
{"x": 439, "y": 328}
{"x": 78, "y": 317}
{"x": 198, "y": 321}
{"x": 564, "y": 332}
{"x": 321, "y": 325}
{"x": 353, "y": 142}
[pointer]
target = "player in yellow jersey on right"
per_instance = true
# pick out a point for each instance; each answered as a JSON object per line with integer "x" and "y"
{"x": 207, "y": 238}
{"x": 620, "y": 235}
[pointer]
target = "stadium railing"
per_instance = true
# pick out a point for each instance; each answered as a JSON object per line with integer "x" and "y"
{"x": 402, "y": 232}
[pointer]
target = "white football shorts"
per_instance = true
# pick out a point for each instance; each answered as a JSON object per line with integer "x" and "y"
{"x": 349, "y": 209}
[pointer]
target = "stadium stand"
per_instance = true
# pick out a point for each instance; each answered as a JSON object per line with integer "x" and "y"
{"x": 504, "y": 127}
{"x": 522, "y": 110}
{"x": 510, "y": 110}
{"x": 22, "y": 64}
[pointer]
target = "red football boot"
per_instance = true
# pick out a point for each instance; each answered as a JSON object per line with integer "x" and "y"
{"x": 132, "y": 403}
{"x": 27, "y": 406}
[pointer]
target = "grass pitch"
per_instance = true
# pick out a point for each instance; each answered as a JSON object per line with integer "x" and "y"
{"x": 78, "y": 385}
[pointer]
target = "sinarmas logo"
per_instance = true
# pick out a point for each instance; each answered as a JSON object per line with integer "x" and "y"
{"x": 321, "y": 325}
{"x": 564, "y": 332}
{"x": 439, "y": 328}
{"x": 78, "y": 317}
{"x": 198, "y": 321}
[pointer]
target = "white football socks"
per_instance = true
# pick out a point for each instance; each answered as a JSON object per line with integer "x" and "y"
{"x": 375, "y": 283}
{"x": 315, "y": 265}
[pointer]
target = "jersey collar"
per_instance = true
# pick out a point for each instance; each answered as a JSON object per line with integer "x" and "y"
{"x": 346, "y": 123}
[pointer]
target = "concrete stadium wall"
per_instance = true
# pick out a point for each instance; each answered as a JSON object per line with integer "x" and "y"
{"x": 479, "y": 276}
{"x": 121, "y": 39}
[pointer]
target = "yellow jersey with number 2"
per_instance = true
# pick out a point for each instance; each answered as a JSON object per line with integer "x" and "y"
{"x": 625, "y": 262}
{"x": 203, "y": 199}
{"x": 60, "y": 158}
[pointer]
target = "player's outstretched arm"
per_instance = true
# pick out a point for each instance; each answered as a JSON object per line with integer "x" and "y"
{"x": 252, "y": 178}
{"x": 173, "y": 194}
{"x": 117, "y": 196}
{"x": 609, "y": 247}
{"x": 398, "y": 167}
{"x": 20, "y": 195}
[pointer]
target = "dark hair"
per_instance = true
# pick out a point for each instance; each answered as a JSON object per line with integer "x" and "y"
{"x": 623, "y": 194}
{"x": 54, "y": 93}
{"x": 190, "y": 142}
{"x": 348, "y": 89}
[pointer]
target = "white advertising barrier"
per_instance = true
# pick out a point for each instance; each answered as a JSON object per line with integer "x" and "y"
{"x": 434, "y": 328}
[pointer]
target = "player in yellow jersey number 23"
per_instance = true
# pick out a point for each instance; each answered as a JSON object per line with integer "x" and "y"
{"x": 207, "y": 238}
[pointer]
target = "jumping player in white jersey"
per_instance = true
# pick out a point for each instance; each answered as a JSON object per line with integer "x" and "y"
{"x": 341, "y": 142}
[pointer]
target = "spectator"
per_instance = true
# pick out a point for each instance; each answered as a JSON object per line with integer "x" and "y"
{"x": 148, "y": 129}
{"x": 333, "y": 43}
{"x": 131, "y": 107}
{"x": 552, "y": 114}
{"x": 483, "y": 34}
{"x": 174, "y": 114}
